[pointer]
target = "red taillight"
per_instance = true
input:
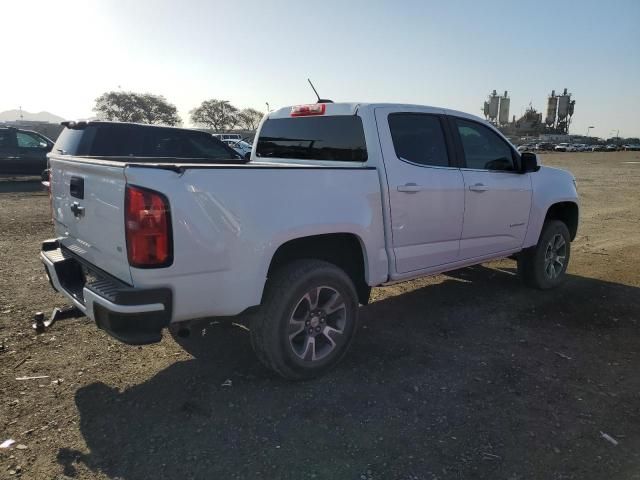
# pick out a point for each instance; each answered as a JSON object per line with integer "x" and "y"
{"x": 308, "y": 110}
{"x": 147, "y": 228}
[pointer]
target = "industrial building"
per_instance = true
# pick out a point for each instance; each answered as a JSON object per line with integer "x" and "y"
{"x": 556, "y": 123}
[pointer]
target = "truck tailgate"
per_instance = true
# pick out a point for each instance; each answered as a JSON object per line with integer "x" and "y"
{"x": 87, "y": 201}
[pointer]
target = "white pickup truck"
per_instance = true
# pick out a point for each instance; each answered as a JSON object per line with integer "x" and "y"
{"x": 336, "y": 198}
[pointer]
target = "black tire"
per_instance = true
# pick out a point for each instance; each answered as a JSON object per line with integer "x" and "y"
{"x": 534, "y": 263}
{"x": 287, "y": 304}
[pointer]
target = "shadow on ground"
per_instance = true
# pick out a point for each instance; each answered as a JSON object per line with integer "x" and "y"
{"x": 20, "y": 185}
{"x": 473, "y": 377}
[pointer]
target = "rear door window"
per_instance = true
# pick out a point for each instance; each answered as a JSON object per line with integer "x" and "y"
{"x": 338, "y": 138}
{"x": 6, "y": 138}
{"x": 419, "y": 138}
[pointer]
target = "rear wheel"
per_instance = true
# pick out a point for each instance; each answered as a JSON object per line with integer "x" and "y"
{"x": 545, "y": 265}
{"x": 307, "y": 320}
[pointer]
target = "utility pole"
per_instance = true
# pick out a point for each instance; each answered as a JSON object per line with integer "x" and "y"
{"x": 588, "y": 128}
{"x": 617, "y": 137}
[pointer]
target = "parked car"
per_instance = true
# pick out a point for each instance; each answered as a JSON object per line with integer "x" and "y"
{"x": 597, "y": 148}
{"x": 294, "y": 240}
{"x": 23, "y": 152}
{"x": 562, "y": 147}
{"x": 632, "y": 148}
{"x": 545, "y": 146}
{"x": 611, "y": 148}
{"x": 527, "y": 147}
{"x": 240, "y": 146}
{"x": 227, "y": 136}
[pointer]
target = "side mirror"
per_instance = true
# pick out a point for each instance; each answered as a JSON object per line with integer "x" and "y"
{"x": 529, "y": 162}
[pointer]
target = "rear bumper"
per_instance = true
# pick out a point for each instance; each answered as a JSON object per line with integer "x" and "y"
{"x": 132, "y": 315}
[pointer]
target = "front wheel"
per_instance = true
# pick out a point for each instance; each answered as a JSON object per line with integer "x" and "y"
{"x": 307, "y": 321}
{"x": 545, "y": 265}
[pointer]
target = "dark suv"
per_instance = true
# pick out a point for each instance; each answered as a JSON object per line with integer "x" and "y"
{"x": 23, "y": 152}
{"x": 145, "y": 143}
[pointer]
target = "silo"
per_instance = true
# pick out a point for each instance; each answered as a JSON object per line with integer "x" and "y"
{"x": 494, "y": 100}
{"x": 552, "y": 106}
{"x": 563, "y": 105}
{"x": 486, "y": 109}
{"x": 503, "y": 118}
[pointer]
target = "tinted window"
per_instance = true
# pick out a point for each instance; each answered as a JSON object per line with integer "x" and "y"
{"x": 419, "y": 138}
{"x": 28, "y": 140}
{"x": 484, "y": 149}
{"x": 113, "y": 140}
{"x": 5, "y": 139}
{"x": 68, "y": 141}
{"x": 313, "y": 138}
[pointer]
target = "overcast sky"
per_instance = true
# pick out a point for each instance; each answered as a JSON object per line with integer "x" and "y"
{"x": 60, "y": 55}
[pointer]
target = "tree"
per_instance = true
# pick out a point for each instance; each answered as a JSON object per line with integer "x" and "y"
{"x": 249, "y": 118}
{"x": 136, "y": 107}
{"x": 219, "y": 115}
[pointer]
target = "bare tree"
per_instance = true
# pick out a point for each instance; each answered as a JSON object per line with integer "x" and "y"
{"x": 219, "y": 115}
{"x": 249, "y": 119}
{"x": 136, "y": 107}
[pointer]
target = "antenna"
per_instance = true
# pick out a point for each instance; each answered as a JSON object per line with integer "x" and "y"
{"x": 320, "y": 100}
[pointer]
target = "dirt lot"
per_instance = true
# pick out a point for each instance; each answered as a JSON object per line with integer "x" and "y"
{"x": 465, "y": 375}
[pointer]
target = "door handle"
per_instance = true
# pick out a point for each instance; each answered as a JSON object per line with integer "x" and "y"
{"x": 478, "y": 187}
{"x": 78, "y": 211}
{"x": 409, "y": 188}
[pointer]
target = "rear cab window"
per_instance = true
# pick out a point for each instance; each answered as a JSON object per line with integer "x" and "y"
{"x": 333, "y": 138}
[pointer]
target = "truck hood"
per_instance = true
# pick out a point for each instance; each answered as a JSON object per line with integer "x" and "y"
{"x": 557, "y": 173}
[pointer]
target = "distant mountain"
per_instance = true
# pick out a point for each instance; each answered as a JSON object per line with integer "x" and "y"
{"x": 11, "y": 115}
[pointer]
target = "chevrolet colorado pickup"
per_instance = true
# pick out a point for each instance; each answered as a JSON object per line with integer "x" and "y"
{"x": 335, "y": 199}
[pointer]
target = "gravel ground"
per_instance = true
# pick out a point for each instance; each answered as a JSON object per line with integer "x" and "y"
{"x": 464, "y": 375}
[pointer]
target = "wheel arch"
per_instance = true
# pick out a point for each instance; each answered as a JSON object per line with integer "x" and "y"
{"x": 566, "y": 212}
{"x": 345, "y": 250}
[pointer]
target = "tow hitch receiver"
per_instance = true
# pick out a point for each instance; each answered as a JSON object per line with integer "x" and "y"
{"x": 59, "y": 313}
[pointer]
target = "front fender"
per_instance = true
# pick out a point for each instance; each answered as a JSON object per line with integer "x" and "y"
{"x": 550, "y": 186}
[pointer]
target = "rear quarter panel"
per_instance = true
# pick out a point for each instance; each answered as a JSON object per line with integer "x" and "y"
{"x": 228, "y": 222}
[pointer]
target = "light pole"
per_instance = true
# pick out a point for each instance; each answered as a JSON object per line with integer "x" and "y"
{"x": 268, "y": 109}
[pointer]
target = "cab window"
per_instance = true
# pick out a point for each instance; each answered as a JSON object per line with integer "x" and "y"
{"x": 29, "y": 140}
{"x": 419, "y": 138}
{"x": 6, "y": 139}
{"x": 484, "y": 149}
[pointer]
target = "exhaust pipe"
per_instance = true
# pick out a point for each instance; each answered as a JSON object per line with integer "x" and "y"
{"x": 184, "y": 332}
